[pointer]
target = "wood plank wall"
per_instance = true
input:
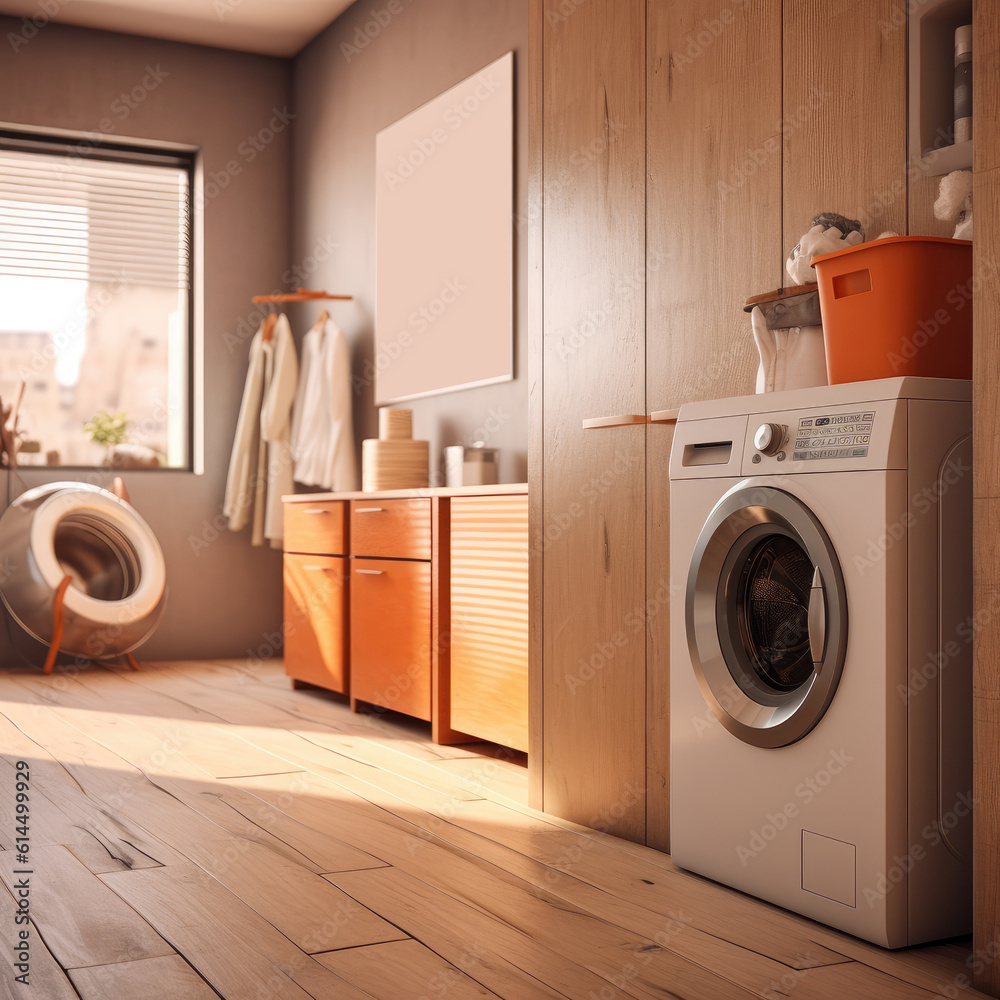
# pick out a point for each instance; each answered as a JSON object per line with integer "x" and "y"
{"x": 986, "y": 495}
{"x": 593, "y": 484}
{"x": 844, "y": 109}
{"x": 534, "y": 221}
{"x": 726, "y": 86}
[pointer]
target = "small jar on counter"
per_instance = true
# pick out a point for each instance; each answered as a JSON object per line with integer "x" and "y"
{"x": 475, "y": 466}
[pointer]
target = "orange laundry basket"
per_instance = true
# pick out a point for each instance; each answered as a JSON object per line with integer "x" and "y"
{"x": 898, "y": 306}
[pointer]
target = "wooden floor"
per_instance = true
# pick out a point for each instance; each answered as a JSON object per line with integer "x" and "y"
{"x": 201, "y": 830}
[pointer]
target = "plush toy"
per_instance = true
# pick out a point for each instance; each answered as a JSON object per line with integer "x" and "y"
{"x": 829, "y": 232}
{"x": 955, "y": 202}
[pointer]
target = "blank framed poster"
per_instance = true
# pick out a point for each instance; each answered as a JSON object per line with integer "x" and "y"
{"x": 444, "y": 241}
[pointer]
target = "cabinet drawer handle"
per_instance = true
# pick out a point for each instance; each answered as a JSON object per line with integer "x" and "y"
{"x": 316, "y": 569}
{"x": 371, "y": 572}
{"x": 625, "y": 420}
{"x": 368, "y": 510}
{"x": 318, "y": 510}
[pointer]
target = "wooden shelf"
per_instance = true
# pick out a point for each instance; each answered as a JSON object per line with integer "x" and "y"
{"x": 931, "y": 75}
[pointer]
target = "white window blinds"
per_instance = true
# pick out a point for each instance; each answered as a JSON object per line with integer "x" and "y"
{"x": 121, "y": 221}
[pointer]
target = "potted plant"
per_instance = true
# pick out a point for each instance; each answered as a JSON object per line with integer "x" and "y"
{"x": 108, "y": 429}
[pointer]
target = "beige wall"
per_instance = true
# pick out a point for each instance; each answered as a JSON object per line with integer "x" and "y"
{"x": 348, "y": 86}
{"x": 225, "y": 598}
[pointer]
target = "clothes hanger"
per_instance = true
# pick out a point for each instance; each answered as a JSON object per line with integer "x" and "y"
{"x": 269, "y": 324}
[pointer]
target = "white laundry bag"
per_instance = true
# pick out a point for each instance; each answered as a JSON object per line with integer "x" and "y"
{"x": 790, "y": 358}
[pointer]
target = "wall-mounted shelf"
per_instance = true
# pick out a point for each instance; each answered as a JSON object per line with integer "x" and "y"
{"x": 932, "y": 71}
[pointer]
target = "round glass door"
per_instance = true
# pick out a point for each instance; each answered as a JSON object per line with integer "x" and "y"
{"x": 766, "y": 616}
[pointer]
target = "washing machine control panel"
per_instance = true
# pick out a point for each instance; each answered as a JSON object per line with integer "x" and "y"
{"x": 832, "y": 436}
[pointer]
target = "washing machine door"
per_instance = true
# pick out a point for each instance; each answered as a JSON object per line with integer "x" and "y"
{"x": 766, "y": 616}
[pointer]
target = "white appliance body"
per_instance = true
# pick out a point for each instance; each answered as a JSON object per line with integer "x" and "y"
{"x": 820, "y": 678}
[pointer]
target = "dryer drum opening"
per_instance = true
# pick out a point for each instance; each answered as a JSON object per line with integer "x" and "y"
{"x": 96, "y": 554}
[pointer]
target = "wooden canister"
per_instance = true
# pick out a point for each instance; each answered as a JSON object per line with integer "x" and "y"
{"x": 395, "y": 425}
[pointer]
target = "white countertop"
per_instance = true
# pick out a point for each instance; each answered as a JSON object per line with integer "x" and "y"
{"x": 501, "y": 489}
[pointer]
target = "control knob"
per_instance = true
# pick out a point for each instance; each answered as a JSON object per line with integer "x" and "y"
{"x": 769, "y": 437}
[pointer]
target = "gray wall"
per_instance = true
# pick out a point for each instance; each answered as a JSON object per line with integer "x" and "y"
{"x": 225, "y": 598}
{"x": 350, "y": 83}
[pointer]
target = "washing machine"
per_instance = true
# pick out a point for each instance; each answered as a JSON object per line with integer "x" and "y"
{"x": 821, "y": 652}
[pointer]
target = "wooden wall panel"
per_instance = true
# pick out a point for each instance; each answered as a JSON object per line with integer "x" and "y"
{"x": 986, "y": 739}
{"x": 921, "y": 194}
{"x": 844, "y": 109}
{"x": 986, "y": 250}
{"x": 534, "y": 222}
{"x": 713, "y": 223}
{"x": 986, "y": 472}
{"x": 593, "y": 520}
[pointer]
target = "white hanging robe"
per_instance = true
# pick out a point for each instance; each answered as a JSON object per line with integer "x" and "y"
{"x": 276, "y": 427}
{"x": 323, "y": 424}
{"x": 242, "y": 479}
{"x": 260, "y": 467}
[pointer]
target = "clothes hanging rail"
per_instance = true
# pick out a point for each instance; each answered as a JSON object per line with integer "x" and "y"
{"x": 299, "y": 295}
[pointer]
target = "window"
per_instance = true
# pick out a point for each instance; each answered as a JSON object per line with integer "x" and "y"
{"x": 96, "y": 286}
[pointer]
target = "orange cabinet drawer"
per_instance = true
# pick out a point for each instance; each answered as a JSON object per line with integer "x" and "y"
{"x": 316, "y": 527}
{"x": 316, "y": 620}
{"x": 391, "y": 635}
{"x": 393, "y": 529}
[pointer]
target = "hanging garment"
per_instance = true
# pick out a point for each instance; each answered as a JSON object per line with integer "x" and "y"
{"x": 322, "y": 426}
{"x": 260, "y": 467}
{"x": 281, "y": 377}
{"x": 243, "y": 478}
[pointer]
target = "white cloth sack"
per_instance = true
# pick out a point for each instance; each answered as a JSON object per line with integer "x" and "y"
{"x": 793, "y": 358}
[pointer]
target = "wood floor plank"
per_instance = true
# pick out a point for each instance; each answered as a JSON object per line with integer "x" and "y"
{"x": 400, "y": 969}
{"x": 82, "y": 921}
{"x": 707, "y": 947}
{"x": 486, "y": 777}
{"x": 46, "y": 978}
{"x": 656, "y": 885}
{"x": 155, "y": 750}
{"x": 294, "y": 900}
{"x": 403, "y": 735}
{"x": 352, "y": 750}
{"x": 678, "y": 947}
{"x": 52, "y": 825}
{"x": 339, "y": 733}
{"x": 218, "y": 750}
{"x": 224, "y": 754}
{"x": 290, "y": 896}
{"x": 493, "y": 956}
{"x": 441, "y": 846}
{"x": 944, "y": 969}
{"x": 117, "y": 844}
{"x": 234, "y": 948}
{"x": 167, "y": 978}
{"x": 659, "y": 886}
